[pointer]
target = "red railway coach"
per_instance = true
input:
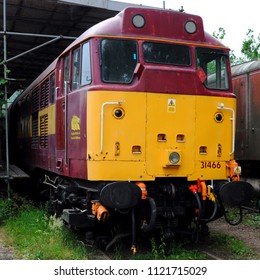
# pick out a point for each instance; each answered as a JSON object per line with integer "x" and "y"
{"x": 134, "y": 121}
{"x": 246, "y": 86}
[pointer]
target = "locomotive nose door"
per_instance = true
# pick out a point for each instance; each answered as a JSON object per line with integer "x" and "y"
{"x": 170, "y": 137}
{"x": 61, "y": 113}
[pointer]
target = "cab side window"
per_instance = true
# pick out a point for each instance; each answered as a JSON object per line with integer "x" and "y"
{"x": 118, "y": 60}
{"x": 85, "y": 65}
{"x": 66, "y": 70}
{"x": 75, "y": 69}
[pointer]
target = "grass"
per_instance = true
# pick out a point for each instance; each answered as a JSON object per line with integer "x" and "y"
{"x": 38, "y": 236}
{"x": 178, "y": 252}
{"x": 250, "y": 218}
{"x": 230, "y": 244}
{"x": 161, "y": 250}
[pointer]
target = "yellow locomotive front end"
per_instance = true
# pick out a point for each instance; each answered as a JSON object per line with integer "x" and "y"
{"x": 138, "y": 136}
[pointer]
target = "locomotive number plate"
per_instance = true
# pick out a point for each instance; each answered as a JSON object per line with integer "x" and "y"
{"x": 210, "y": 165}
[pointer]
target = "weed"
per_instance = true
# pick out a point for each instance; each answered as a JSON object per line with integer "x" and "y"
{"x": 158, "y": 250}
{"x": 6, "y": 209}
{"x": 163, "y": 250}
{"x": 36, "y": 235}
{"x": 229, "y": 243}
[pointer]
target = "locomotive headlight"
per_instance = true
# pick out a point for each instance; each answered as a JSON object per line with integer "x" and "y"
{"x": 138, "y": 21}
{"x": 190, "y": 27}
{"x": 171, "y": 158}
{"x": 174, "y": 158}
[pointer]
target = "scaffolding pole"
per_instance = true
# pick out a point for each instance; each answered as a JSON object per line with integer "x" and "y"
{"x": 6, "y": 98}
{"x": 4, "y": 62}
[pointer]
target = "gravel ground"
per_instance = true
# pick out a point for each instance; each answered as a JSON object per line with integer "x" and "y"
{"x": 250, "y": 236}
{"x": 6, "y": 252}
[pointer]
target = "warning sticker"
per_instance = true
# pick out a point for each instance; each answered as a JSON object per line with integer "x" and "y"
{"x": 171, "y": 105}
{"x": 237, "y": 170}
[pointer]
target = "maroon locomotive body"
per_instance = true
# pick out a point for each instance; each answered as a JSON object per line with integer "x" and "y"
{"x": 133, "y": 126}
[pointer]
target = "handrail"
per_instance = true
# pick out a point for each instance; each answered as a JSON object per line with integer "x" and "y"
{"x": 221, "y": 106}
{"x": 66, "y": 85}
{"x": 102, "y": 121}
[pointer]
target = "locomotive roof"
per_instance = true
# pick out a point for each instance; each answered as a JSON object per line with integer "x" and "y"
{"x": 172, "y": 27}
{"x": 246, "y": 67}
{"x": 32, "y": 23}
{"x": 118, "y": 26}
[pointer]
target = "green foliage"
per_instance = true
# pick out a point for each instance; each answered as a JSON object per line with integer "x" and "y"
{"x": 229, "y": 243}
{"x": 251, "y": 218}
{"x": 220, "y": 34}
{"x": 158, "y": 250}
{"x": 6, "y": 210}
{"x": 3, "y": 82}
{"x": 10, "y": 207}
{"x": 251, "y": 46}
{"x": 162, "y": 250}
{"x": 36, "y": 235}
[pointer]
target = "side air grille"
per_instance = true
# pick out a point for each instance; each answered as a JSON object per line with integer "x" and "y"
{"x": 44, "y": 131}
{"x": 35, "y": 130}
{"x": 35, "y": 99}
{"x": 45, "y": 90}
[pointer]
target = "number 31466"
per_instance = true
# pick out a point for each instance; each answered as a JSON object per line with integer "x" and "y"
{"x": 210, "y": 165}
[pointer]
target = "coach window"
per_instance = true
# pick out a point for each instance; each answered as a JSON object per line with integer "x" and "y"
{"x": 66, "y": 73}
{"x": 85, "y": 66}
{"x": 75, "y": 68}
{"x": 118, "y": 60}
{"x": 214, "y": 64}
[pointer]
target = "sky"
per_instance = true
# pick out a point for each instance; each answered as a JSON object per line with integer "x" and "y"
{"x": 235, "y": 17}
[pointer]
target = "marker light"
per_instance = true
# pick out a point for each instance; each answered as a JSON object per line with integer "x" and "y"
{"x": 138, "y": 21}
{"x": 119, "y": 113}
{"x": 219, "y": 117}
{"x": 190, "y": 27}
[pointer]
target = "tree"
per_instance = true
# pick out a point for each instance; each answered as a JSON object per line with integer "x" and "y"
{"x": 220, "y": 34}
{"x": 251, "y": 46}
{"x": 3, "y": 82}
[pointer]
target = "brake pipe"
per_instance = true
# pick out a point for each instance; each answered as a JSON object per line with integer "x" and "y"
{"x": 194, "y": 189}
{"x": 148, "y": 227}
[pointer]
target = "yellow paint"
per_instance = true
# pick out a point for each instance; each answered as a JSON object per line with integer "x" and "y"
{"x": 75, "y": 128}
{"x": 125, "y": 132}
{"x": 51, "y": 113}
{"x": 154, "y": 124}
{"x": 75, "y": 123}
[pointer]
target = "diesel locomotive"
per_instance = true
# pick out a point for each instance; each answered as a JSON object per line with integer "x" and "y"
{"x": 132, "y": 128}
